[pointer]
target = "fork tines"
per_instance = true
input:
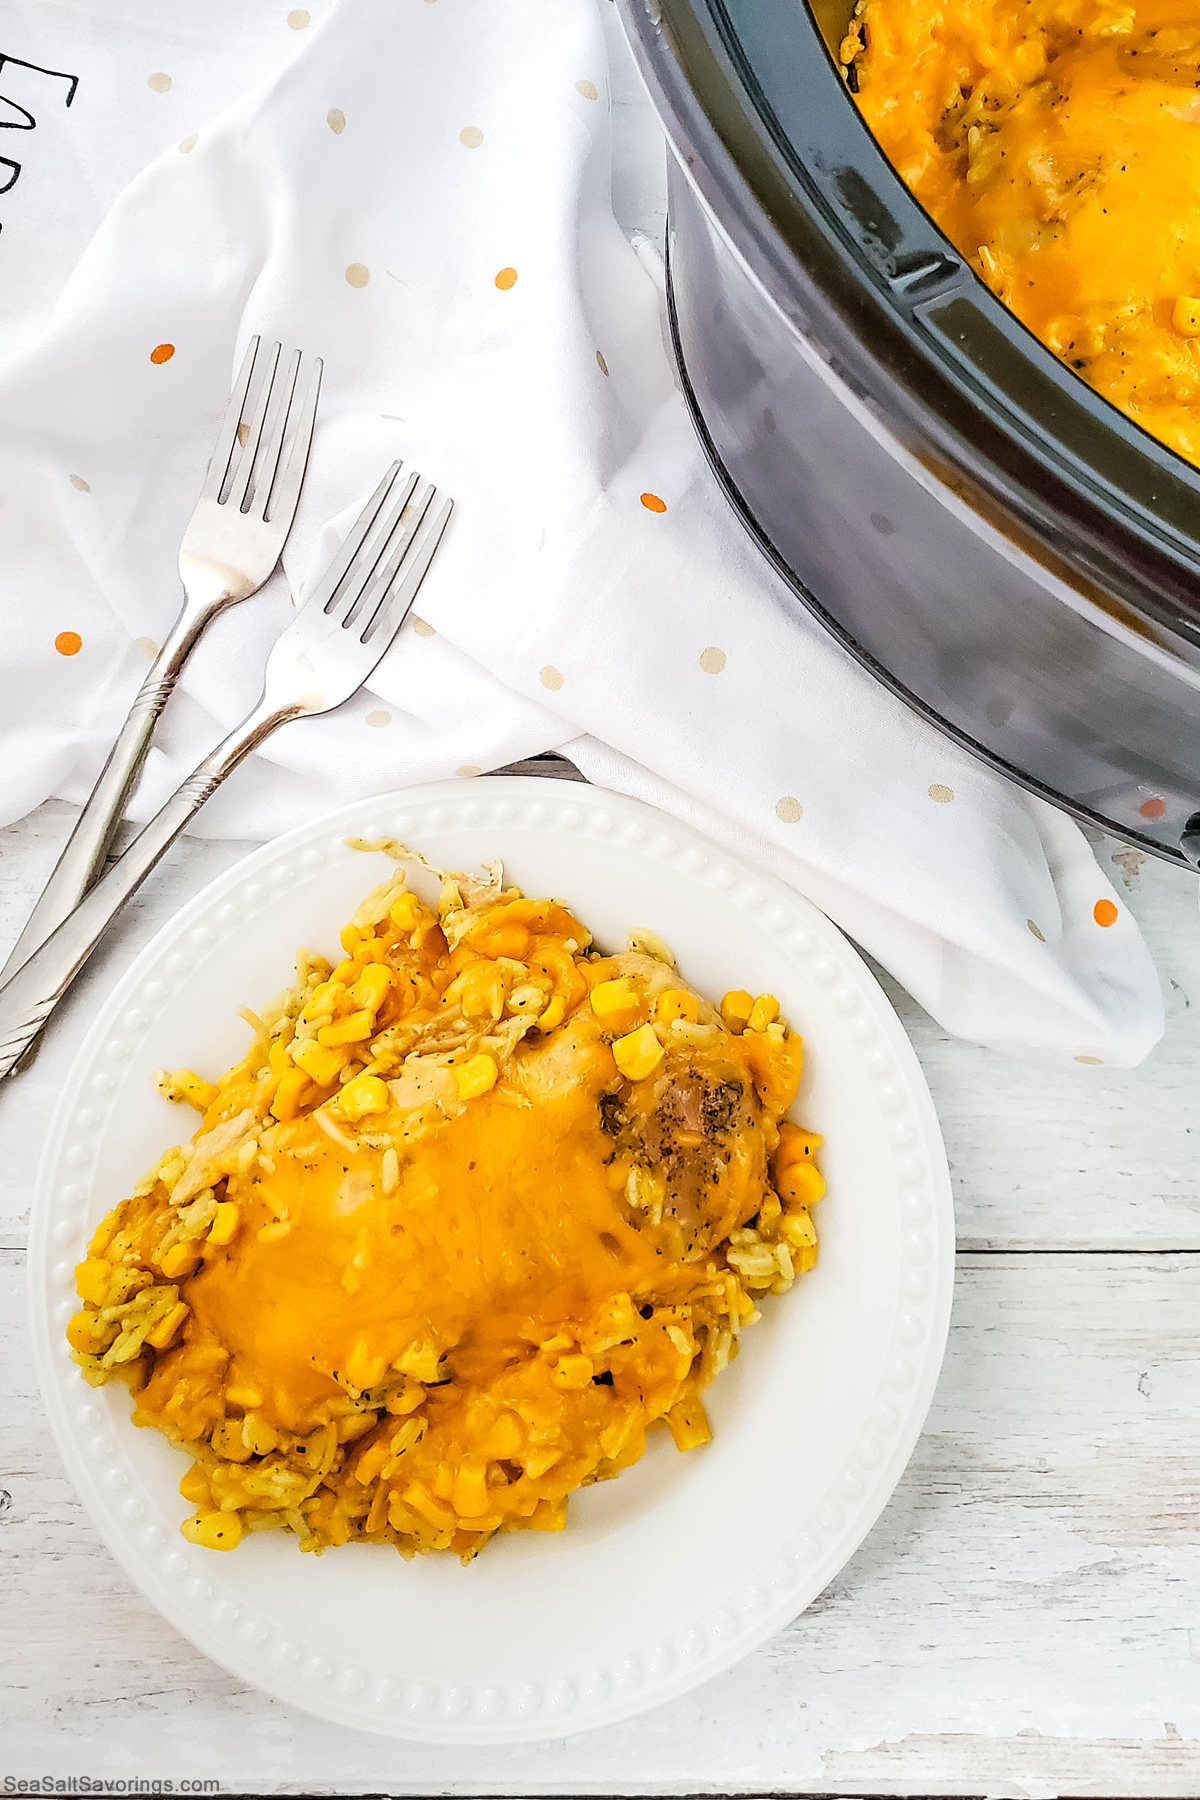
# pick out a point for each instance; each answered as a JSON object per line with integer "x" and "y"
{"x": 259, "y": 458}
{"x": 373, "y": 581}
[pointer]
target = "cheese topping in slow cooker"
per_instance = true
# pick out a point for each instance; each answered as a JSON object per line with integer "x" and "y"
{"x": 1057, "y": 143}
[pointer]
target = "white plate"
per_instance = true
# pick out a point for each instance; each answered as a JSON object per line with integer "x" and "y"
{"x": 667, "y": 1575}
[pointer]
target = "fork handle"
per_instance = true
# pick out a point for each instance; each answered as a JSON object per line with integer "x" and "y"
{"x": 85, "y": 850}
{"x": 29, "y": 996}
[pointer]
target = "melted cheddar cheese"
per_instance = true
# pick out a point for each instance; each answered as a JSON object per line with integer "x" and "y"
{"x": 1057, "y": 143}
{"x": 479, "y": 1207}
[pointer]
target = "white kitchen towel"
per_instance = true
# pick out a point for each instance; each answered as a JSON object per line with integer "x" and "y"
{"x": 418, "y": 190}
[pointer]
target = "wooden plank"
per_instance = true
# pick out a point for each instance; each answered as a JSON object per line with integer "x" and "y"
{"x": 1070, "y": 1157}
{"x": 1022, "y": 1621}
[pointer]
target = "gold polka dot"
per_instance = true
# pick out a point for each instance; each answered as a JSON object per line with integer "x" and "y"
{"x": 298, "y": 19}
{"x": 68, "y": 643}
{"x": 160, "y": 83}
{"x": 188, "y": 144}
{"x": 466, "y": 770}
{"x": 938, "y": 791}
{"x": 77, "y": 481}
{"x": 1105, "y": 912}
{"x": 506, "y": 278}
{"x": 550, "y": 677}
{"x": 335, "y": 118}
{"x": 653, "y": 503}
{"x": 422, "y": 628}
{"x": 600, "y": 362}
{"x": 788, "y": 810}
{"x": 148, "y": 647}
{"x": 588, "y": 89}
{"x": 358, "y": 274}
{"x": 712, "y": 660}
{"x": 1036, "y": 930}
{"x": 1094, "y": 1060}
{"x": 162, "y": 353}
{"x": 470, "y": 137}
{"x": 379, "y": 719}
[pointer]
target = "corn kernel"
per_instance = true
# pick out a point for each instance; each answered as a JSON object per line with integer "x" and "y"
{"x": 795, "y": 1145}
{"x": 322, "y": 1064}
{"x": 799, "y": 1230}
{"x": 371, "y": 1461}
{"x": 573, "y": 1371}
{"x": 355, "y": 1028}
{"x": 274, "y": 1232}
{"x": 79, "y": 1332}
{"x": 805, "y": 1260}
{"x": 764, "y": 1012}
{"x": 364, "y": 1370}
{"x": 801, "y": 1182}
{"x": 553, "y": 1015}
{"x": 688, "y": 1424}
{"x": 736, "y": 1008}
{"x": 538, "y": 1461}
{"x": 213, "y": 1530}
{"x": 549, "y": 1515}
{"x": 179, "y": 1260}
{"x": 638, "y": 1054}
{"x": 405, "y": 911}
{"x": 1185, "y": 316}
{"x": 422, "y": 1501}
{"x": 225, "y": 1222}
{"x": 194, "y": 1486}
{"x": 322, "y": 1002}
{"x": 371, "y": 987}
{"x": 365, "y": 1094}
{"x": 92, "y": 1278}
{"x": 167, "y": 1326}
{"x": 475, "y": 1076}
{"x": 615, "y": 1000}
{"x": 189, "y": 1086}
{"x": 675, "y": 1004}
{"x": 469, "y": 1497}
{"x": 289, "y": 1094}
{"x": 420, "y": 1361}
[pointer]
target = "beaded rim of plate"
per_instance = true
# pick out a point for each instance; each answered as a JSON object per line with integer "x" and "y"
{"x": 184, "y": 1584}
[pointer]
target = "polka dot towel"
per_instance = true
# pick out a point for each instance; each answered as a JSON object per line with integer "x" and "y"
{"x": 479, "y": 315}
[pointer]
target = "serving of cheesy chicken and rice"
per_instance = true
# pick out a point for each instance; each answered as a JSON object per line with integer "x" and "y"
{"x": 1057, "y": 143}
{"x": 478, "y": 1208}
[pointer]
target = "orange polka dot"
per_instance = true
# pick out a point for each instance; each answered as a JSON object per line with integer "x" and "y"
{"x": 1152, "y": 809}
{"x": 506, "y": 278}
{"x": 652, "y": 503}
{"x": 162, "y": 353}
{"x": 1104, "y": 912}
{"x": 68, "y": 643}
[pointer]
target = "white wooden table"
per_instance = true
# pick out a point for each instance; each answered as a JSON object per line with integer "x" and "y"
{"x": 1024, "y": 1620}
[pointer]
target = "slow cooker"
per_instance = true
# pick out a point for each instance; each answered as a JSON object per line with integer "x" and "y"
{"x": 1004, "y": 549}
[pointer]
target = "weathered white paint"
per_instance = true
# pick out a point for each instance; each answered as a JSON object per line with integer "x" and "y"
{"x": 1025, "y": 1619}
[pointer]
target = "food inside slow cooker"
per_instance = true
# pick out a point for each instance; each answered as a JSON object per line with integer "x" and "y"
{"x": 1057, "y": 143}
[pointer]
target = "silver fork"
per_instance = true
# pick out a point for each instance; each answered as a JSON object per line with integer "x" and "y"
{"x": 229, "y": 551}
{"x": 323, "y": 657}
